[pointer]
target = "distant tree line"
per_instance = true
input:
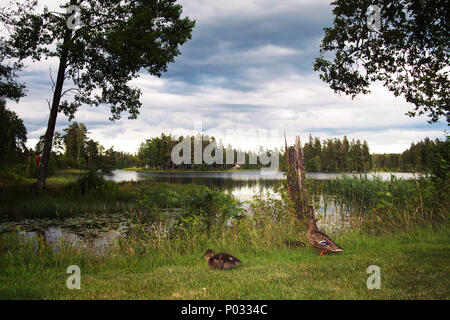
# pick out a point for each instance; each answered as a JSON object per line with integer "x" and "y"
{"x": 74, "y": 149}
{"x": 419, "y": 157}
{"x": 331, "y": 155}
{"x": 155, "y": 153}
{"x": 334, "y": 155}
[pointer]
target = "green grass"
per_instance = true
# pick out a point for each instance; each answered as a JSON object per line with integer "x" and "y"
{"x": 23, "y": 200}
{"x": 414, "y": 265}
{"x": 63, "y": 197}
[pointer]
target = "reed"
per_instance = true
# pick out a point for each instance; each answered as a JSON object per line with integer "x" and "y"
{"x": 376, "y": 203}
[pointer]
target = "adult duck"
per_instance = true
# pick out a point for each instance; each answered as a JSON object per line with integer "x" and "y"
{"x": 220, "y": 260}
{"x": 319, "y": 239}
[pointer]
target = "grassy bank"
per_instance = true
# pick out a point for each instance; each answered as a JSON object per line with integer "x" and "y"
{"x": 63, "y": 197}
{"x": 70, "y": 193}
{"x": 414, "y": 265}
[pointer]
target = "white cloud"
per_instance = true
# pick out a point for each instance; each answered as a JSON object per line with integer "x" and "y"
{"x": 297, "y": 105}
{"x": 270, "y": 51}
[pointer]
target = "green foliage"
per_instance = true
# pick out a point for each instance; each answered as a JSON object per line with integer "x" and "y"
{"x": 155, "y": 154}
{"x": 409, "y": 54}
{"x": 439, "y": 164}
{"x": 75, "y": 150}
{"x": 419, "y": 157}
{"x": 151, "y": 262}
{"x": 186, "y": 205}
{"x": 69, "y": 193}
{"x": 334, "y": 155}
{"x": 275, "y": 220}
{"x": 210, "y": 219}
{"x": 92, "y": 183}
{"x": 10, "y": 174}
{"x": 57, "y": 144}
{"x": 9, "y": 87}
{"x": 116, "y": 40}
{"x": 75, "y": 140}
{"x": 211, "y": 205}
{"x": 439, "y": 168}
{"x": 13, "y": 135}
{"x": 413, "y": 264}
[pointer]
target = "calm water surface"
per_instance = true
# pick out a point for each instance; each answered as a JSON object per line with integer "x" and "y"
{"x": 243, "y": 185}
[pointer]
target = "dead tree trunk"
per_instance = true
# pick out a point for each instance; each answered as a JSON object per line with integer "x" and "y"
{"x": 296, "y": 178}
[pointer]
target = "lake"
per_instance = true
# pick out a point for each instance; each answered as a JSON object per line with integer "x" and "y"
{"x": 242, "y": 184}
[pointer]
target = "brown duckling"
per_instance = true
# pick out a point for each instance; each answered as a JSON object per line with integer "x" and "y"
{"x": 220, "y": 260}
{"x": 319, "y": 239}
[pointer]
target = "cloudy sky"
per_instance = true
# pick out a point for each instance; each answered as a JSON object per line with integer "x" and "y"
{"x": 248, "y": 68}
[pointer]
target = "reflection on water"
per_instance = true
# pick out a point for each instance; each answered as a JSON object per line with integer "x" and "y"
{"x": 58, "y": 238}
{"x": 242, "y": 184}
{"x": 87, "y": 225}
{"x": 207, "y": 177}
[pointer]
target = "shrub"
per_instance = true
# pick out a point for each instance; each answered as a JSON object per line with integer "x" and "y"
{"x": 211, "y": 204}
{"x": 91, "y": 184}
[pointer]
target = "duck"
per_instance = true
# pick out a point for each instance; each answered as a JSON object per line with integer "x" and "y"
{"x": 319, "y": 239}
{"x": 220, "y": 260}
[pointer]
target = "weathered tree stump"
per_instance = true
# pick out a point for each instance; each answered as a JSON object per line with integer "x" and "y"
{"x": 296, "y": 177}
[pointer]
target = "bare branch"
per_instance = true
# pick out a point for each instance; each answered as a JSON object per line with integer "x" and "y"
{"x": 51, "y": 78}
{"x": 70, "y": 90}
{"x": 49, "y": 104}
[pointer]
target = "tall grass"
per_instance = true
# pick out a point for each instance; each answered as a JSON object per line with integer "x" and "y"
{"x": 265, "y": 231}
{"x": 59, "y": 200}
{"x": 211, "y": 218}
{"x": 376, "y": 203}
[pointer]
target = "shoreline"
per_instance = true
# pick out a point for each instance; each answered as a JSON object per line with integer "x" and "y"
{"x": 250, "y": 170}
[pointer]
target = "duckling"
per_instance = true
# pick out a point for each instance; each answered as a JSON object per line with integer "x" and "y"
{"x": 220, "y": 260}
{"x": 319, "y": 239}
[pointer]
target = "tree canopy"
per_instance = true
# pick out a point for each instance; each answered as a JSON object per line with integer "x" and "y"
{"x": 13, "y": 134}
{"x": 432, "y": 156}
{"x": 334, "y": 155}
{"x": 101, "y": 46}
{"x": 115, "y": 40}
{"x": 75, "y": 140}
{"x": 409, "y": 53}
{"x": 10, "y": 88}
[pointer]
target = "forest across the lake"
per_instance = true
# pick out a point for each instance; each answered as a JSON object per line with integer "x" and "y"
{"x": 73, "y": 149}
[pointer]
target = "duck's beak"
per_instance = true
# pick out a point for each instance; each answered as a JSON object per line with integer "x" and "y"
{"x": 204, "y": 255}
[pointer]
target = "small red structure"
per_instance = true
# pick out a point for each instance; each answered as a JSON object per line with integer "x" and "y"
{"x": 38, "y": 159}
